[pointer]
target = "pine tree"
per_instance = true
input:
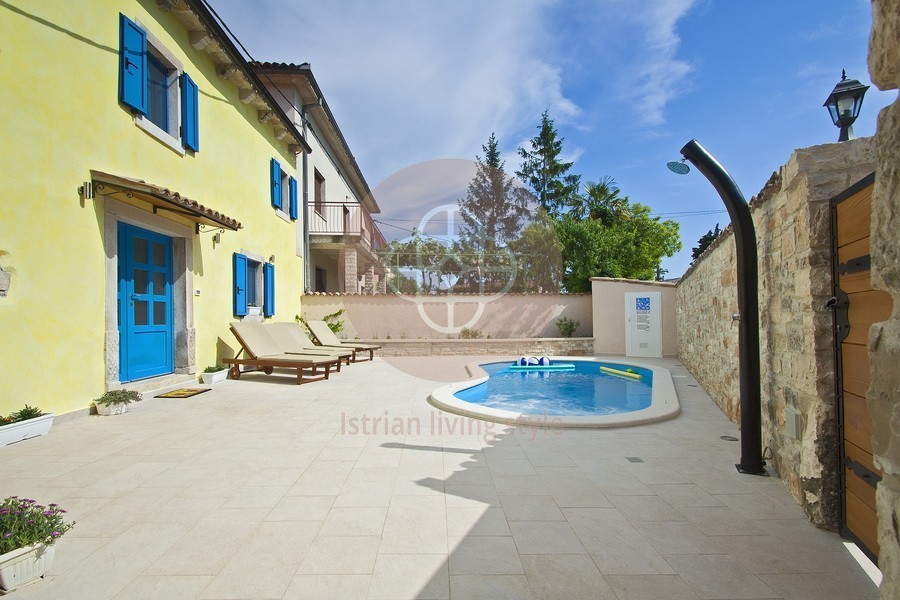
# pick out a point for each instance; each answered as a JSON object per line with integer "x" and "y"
{"x": 494, "y": 206}
{"x": 703, "y": 243}
{"x": 545, "y": 174}
{"x": 492, "y": 213}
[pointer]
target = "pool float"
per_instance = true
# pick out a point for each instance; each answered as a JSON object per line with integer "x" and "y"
{"x": 621, "y": 373}
{"x": 539, "y": 363}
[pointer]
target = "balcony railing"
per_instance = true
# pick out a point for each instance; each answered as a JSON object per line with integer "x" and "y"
{"x": 350, "y": 219}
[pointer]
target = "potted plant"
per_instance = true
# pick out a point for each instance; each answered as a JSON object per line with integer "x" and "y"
{"x": 115, "y": 402}
{"x": 23, "y": 424}
{"x": 214, "y": 374}
{"x": 27, "y": 533}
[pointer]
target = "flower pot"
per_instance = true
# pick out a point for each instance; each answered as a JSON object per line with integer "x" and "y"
{"x": 24, "y": 565}
{"x": 214, "y": 377}
{"x": 111, "y": 409}
{"x": 16, "y": 432}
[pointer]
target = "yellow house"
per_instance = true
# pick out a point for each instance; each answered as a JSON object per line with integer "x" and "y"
{"x": 150, "y": 197}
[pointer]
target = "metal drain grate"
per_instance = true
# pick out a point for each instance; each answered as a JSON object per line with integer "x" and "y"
{"x": 633, "y": 459}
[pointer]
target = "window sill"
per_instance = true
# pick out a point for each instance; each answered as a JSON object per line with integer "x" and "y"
{"x": 283, "y": 215}
{"x": 163, "y": 137}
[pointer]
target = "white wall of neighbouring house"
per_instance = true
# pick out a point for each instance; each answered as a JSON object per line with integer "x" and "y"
{"x": 608, "y": 313}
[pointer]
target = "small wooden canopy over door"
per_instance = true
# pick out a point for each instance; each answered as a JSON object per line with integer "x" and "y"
{"x": 856, "y": 306}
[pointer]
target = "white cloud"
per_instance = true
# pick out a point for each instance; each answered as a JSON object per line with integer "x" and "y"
{"x": 657, "y": 75}
{"x": 411, "y": 81}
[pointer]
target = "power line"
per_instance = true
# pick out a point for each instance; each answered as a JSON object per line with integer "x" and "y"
{"x": 683, "y": 213}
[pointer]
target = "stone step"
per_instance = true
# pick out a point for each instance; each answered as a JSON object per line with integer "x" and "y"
{"x": 155, "y": 384}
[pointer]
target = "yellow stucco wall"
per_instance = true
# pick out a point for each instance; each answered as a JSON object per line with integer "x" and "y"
{"x": 60, "y": 118}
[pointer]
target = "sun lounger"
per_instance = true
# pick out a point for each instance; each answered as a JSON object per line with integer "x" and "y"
{"x": 263, "y": 353}
{"x": 297, "y": 332}
{"x": 325, "y": 337}
{"x": 291, "y": 340}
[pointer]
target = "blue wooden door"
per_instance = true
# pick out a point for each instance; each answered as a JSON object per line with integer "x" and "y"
{"x": 146, "y": 336}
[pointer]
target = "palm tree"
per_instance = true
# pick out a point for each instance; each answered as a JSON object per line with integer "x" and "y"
{"x": 601, "y": 202}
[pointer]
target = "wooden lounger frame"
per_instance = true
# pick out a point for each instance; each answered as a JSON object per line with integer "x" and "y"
{"x": 354, "y": 351}
{"x": 267, "y": 365}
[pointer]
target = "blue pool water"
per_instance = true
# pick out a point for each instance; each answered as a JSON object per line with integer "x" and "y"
{"x": 584, "y": 391}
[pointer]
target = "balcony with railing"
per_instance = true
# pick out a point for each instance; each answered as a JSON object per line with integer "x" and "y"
{"x": 345, "y": 219}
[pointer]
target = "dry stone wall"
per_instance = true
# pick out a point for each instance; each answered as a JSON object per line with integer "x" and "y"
{"x": 516, "y": 347}
{"x": 792, "y": 219}
{"x": 884, "y": 337}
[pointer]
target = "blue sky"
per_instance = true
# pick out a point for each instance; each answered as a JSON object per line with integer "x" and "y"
{"x": 418, "y": 86}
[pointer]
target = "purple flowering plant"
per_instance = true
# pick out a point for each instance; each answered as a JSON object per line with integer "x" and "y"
{"x": 24, "y": 522}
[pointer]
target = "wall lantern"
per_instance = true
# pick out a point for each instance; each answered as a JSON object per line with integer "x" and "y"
{"x": 844, "y": 103}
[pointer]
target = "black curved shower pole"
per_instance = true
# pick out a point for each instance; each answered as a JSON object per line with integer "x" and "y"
{"x": 748, "y": 304}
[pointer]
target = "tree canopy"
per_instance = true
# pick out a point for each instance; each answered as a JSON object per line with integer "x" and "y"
{"x": 556, "y": 239}
{"x": 630, "y": 244}
{"x": 545, "y": 173}
{"x": 495, "y": 205}
{"x": 703, "y": 243}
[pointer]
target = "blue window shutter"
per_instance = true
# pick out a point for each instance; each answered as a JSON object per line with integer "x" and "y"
{"x": 240, "y": 285}
{"x": 268, "y": 289}
{"x": 292, "y": 184}
{"x": 190, "y": 132}
{"x": 132, "y": 65}
{"x": 276, "y": 184}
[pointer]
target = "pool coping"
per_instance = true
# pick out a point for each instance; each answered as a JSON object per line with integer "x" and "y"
{"x": 663, "y": 400}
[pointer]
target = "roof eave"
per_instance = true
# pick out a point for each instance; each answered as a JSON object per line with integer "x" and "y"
{"x": 208, "y": 36}
{"x": 305, "y": 70}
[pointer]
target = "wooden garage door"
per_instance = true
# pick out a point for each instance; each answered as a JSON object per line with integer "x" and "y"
{"x": 856, "y": 306}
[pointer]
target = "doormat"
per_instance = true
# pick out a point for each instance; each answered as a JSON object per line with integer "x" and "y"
{"x": 183, "y": 393}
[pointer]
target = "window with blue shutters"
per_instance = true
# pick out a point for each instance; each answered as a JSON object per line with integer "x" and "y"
{"x": 292, "y": 184}
{"x": 283, "y": 189}
{"x": 240, "y": 285}
{"x": 132, "y": 65}
{"x": 158, "y": 76}
{"x": 190, "y": 129}
{"x": 276, "y": 185}
{"x": 254, "y": 285}
{"x": 153, "y": 84}
{"x": 268, "y": 289}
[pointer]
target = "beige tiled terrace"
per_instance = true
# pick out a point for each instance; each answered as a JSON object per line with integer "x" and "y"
{"x": 253, "y": 490}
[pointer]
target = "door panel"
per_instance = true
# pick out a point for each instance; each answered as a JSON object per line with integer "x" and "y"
{"x": 855, "y": 483}
{"x": 867, "y": 308}
{"x": 146, "y": 346}
{"x": 854, "y": 216}
{"x": 862, "y": 521}
{"x": 855, "y": 368}
{"x": 857, "y": 423}
{"x": 857, "y": 306}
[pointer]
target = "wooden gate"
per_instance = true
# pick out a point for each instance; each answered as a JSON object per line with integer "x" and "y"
{"x": 856, "y": 306}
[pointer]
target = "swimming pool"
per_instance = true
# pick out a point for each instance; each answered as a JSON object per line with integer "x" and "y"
{"x": 585, "y": 391}
{"x": 583, "y": 397}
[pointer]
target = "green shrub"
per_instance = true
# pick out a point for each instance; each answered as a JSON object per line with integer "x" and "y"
{"x": 470, "y": 334}
{"x": 118, "y": 397}
{"x": 213, "y": 369}
{"x": 29, "y": 412}
{"x": 567, "y": 326}
{"x": 333, "y": 321}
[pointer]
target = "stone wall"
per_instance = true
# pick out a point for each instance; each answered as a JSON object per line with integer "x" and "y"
{"x": 492, "y": 347}
{"x": 884, "y": 338}
{"x": 792, "y": 219}
{"x": 391, "y": 316}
